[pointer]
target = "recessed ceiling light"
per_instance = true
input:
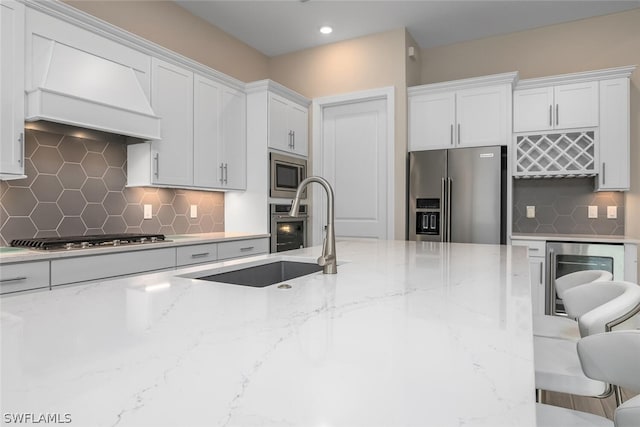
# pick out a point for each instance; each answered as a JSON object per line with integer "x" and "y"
{"x": 325, "y": 29}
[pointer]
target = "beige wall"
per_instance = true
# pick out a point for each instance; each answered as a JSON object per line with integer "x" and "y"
{"x": 368, "y": 62}
{"x": 169, "y": 25}
{"x": 589, "y": 44}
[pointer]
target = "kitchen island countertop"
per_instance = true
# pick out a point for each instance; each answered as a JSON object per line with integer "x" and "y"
{"x": 406, "y": 334}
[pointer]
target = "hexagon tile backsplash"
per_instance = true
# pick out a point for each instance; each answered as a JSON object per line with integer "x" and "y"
{"x": 561, "y": 207}
{"x": 76, "y": 186}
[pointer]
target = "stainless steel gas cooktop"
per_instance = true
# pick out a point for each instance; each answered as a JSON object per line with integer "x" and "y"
{"x": 85, "y": 242}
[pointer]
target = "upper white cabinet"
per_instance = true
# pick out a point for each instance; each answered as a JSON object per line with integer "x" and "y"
{"x": 288, "y": 125}
{"x": 12, "y": 21}
{"x": 203, "y": 143}
{"x": 556, "y": 107}
{"x": 463, "y": 113}
{"x": 614, "y": 135}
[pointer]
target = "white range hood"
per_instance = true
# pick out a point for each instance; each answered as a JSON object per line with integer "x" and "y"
{"x": 86, "y": 90}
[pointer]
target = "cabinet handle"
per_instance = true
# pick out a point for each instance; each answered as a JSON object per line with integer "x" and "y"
{"x": 293, "y": 139}
{"x": 604, "y": 174}
{"x": 247, "y": 248}
{"x": 541, "y": 274}
{"x": 200, "y": 255}
{"x": 13, "y": 279}
{"x": 290, "y": 139}
{"x": 451, "y": 136}
{"x": 550, "y": 115}
{"x": 21, "y": 145}
{"x": 221, "y": 173}
{"x": 557, "y": 115}
{"x": 534, "y": 249}
{"x": 156, "y": 159}
{"x": 226, "y": 173}
{"x": 458, "y": 133}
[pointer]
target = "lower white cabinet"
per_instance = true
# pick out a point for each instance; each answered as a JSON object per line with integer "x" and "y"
{"x": 242, "y": 248}
{"x": 196, "y": 254}
{"x": 94, "y": 267}
{"x": 24, "y": 276}
{"x": 537, "y": 263}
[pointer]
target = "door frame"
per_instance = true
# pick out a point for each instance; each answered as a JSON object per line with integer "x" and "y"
{"x": 318, "y": 106}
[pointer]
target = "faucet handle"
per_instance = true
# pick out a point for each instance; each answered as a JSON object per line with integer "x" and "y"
{"x": 322, "y": 261}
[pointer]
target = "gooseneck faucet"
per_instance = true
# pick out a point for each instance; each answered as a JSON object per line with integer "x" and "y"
{"x": 327, "y": 260}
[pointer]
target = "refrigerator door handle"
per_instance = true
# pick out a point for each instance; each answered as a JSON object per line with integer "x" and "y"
{"x": 443, "y": 210}
{"x": 449, "y": 186}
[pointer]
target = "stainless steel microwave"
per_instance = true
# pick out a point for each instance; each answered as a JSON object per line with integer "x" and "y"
{"x": 286, "y": 174}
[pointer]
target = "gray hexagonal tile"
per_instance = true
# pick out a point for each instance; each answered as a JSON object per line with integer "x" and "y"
{"x": 194, "y": 228}
{"x": 47, "y": 159}
{"x": 134, "y": 230}
{"x": 166, "y": 214}
{"x": 4, "y": 216}
{"x": 181, "y": 204}
{"x": 166, "y": 230}
{"x": 114, "y": 203}
{"x": 580, "y": 214}
{"x": 151, "y": 225}
{"x": 564, "y": 224}
{"x": 583, "y": 229}
{"x": 134, "y": 194}
{"x": 180, "y": 224}
{"x": 207, "y": 224}
{"x": 4, "y": 186}
{"x": 546, "y": 229}
{"x": 114, "y": 224}
{"x": 218, "y": 215}
{"x": 46, "y": 216}
{"x": 72, "y": 149}
{"x": 207, "y": 204}
{"x": 47, "y": 138}
{"x": 115, "y": 179}
{"x": 31, "y": 173}
{"x": 564, "y": 205}
{"x": 94, "y": 165}
{"x": 604, "y": 226}
{"x": 151, "y": 198}
{"x": 526, "y": 225}
{"x": 46, "y": 233}
{"x": 71, "y": 202}
{"x": 546, "y": 214}
{"x": 71, "y": 226}
{"x": 94, "y": 146}
{"x": 94, "y": 190}
{"x": 93, "y": 231}
{"x": 166, "y": 195}
{"x": 46, "y": 188}
{"x": 30, "y": 142}
{"x": 18, "y": 201}
{"x": 194, "y": 197}
{"x": 72, "y": 176}
{"x": 94, "y": 215}
{"x": 115, "y": 154}
{"x": 133, "y": 215}
{"x": 18, "y": 227}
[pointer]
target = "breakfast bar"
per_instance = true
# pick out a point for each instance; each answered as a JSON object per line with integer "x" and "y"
{"x": 406, "y": 334}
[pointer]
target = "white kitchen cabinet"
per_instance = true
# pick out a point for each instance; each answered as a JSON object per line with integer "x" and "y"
{"x": 288, "y": 125}
{"x": 24, "y": 276}
{"x": 614, "y": 136}
{"x": 564, "y": 106}
{"x": 242, "y": 248}
{"x": 536, "y": 250}
{"x": 12, "y": 64}
{"x": 196, "y": 254}
{"x": 233, "y": 146}
{"x": 463, "y": 113}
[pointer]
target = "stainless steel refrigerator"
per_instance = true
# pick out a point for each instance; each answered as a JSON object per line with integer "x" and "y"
{"x": 458, "y": 195}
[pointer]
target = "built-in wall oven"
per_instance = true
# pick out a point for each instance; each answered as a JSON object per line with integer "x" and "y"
{"x": 286, "y": 174}
{"x": 287, "y": 232}
{"x": 568, "y": 257}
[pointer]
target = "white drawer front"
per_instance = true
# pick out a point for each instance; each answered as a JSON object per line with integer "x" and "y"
{"x": 24, "y": 276}
{"x": 80, "y": 269}
{"x": 536, "y": 247}
{"x": 242, "y": 248}
{"x": 186, "y": 255}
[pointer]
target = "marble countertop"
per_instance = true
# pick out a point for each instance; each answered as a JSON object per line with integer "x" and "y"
{"x": 10, "y": 254}
{"x": 598, "y": 238}
{"x": 406, "y": 334}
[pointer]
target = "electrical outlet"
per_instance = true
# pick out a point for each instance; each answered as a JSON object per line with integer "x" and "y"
{"x": 593, "y": 212}
{"x": 612, "y": 212}
{"x": 531, "y": 211}
{"x": 147, "y": 212}
{"x": 194, "y": 211}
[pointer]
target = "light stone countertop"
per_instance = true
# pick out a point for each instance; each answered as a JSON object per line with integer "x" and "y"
{"x": 10, "y": 254}
{"x": 406, "y": 334}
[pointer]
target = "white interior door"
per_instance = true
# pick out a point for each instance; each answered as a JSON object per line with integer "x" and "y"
{"x": 354, "y": 160}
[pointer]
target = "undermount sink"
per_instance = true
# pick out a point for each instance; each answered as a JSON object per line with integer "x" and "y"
{"x": 263, "y": 275}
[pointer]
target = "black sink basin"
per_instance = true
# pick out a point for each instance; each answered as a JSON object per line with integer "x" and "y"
{"x": 263, "y": 275}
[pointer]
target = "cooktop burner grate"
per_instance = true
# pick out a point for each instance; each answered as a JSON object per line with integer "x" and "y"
{"x": 83, "y": 242}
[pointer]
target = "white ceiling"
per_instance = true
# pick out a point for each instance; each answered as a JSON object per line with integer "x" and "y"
{"x": 278, "y": 27}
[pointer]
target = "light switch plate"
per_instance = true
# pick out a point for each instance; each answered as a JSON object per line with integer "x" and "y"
{"x": 593, "y": 212}
{"x": 531, "y": 211}
{"x": 194, "y": 211}
{"x": 147, "y": 212}
{"x": 612, "y": 212}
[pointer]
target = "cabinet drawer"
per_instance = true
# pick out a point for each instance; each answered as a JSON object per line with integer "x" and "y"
{"x": 536, "y": 247}
{"x": 195, "y": 254}
{"x": 80, "y": 269}
{"x": 241, "y": 248}
{"x": 24, "y": 276}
